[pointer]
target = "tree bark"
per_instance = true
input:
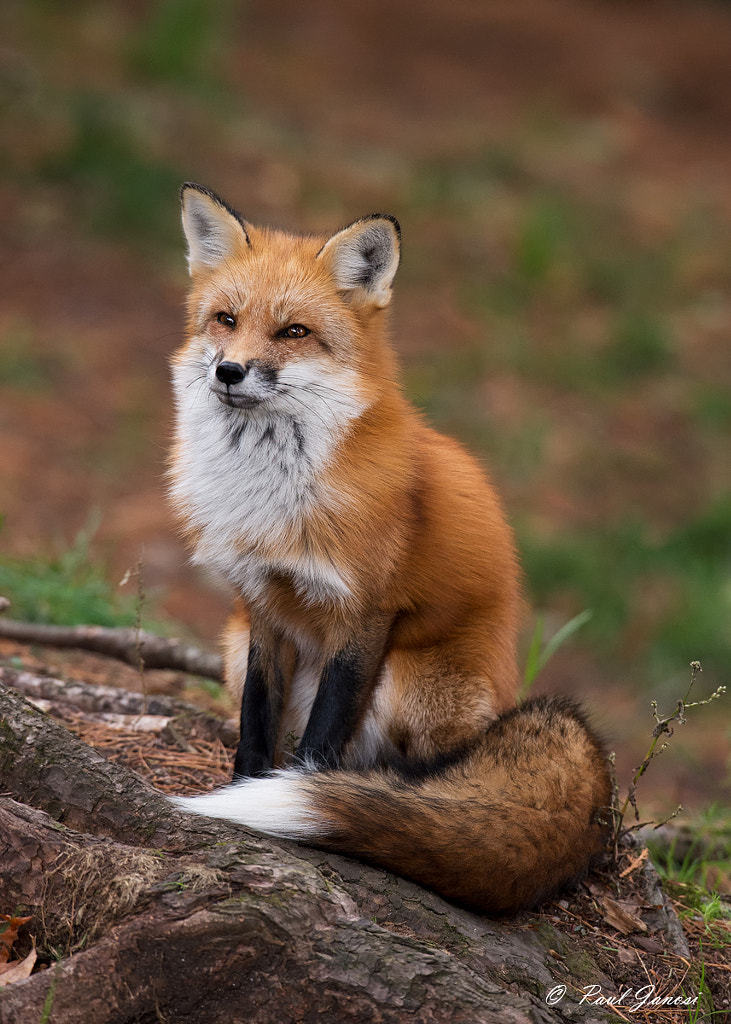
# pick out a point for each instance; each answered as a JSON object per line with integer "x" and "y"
{"x": 159, "y": 916}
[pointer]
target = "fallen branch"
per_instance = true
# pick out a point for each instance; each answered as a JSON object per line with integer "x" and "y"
{"x": 128, "y": 645}
{"x": 59, "y": 697}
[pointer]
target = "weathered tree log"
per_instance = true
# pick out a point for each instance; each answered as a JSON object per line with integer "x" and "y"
{"x": 164, "y": 917}
{"x": 219, "y": 938}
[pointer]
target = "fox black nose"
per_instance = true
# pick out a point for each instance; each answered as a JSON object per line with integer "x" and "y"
{"x": 230, "y": 373}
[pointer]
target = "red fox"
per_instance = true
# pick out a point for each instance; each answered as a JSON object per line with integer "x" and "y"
{"x": 376, "y": 580}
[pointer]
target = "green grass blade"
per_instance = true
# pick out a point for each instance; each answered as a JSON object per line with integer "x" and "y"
{"x": 561, "y": 636}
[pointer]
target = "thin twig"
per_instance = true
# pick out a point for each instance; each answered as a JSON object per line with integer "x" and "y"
{"x": 662, "y": 727}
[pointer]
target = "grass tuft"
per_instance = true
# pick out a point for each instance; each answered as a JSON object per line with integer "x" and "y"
{"x": 66, "y": 589}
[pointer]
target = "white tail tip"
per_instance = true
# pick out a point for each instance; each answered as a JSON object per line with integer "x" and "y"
{"x": 279, "y": 805}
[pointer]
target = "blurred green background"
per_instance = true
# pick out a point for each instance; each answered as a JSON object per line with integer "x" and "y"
{"x": 560, "y": 169}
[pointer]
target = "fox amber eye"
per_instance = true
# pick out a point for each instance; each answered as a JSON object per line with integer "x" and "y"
{"x": 294, "y": 331}
{"x": 226, "y": 319}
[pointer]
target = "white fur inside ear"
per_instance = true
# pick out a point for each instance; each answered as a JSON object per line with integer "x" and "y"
{"x": 212, "y": 231}
{"x": 365, "y": 257}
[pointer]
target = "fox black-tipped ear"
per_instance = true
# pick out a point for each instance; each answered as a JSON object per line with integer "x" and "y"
{"x": 365, "y": 256}
{"x": 212, "y": 229}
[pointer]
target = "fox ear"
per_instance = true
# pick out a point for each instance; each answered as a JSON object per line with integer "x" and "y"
{"x": 212, "y": 229}
{"x": 364, "y": 257}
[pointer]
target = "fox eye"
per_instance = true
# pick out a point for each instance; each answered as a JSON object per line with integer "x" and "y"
{"x": 294, "y": 331}
{"x": 226, "y": 319}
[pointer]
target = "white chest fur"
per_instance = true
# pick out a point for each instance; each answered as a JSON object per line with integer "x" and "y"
{"x": 248, "y": 479}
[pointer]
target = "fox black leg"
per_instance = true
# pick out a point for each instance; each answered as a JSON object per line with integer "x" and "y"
{"x": 346, "y": 684}
{"x": 261, "y": 711}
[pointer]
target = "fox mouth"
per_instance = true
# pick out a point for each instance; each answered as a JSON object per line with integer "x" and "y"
{"x": 238, "y": 401}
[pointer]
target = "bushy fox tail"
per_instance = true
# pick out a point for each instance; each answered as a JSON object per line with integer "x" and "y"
{"x": 497, "y": 827}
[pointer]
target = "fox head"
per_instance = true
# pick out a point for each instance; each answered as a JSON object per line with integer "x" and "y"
{"x": 280, "y": 324}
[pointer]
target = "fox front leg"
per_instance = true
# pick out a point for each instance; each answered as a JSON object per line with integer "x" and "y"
{"x": 344, "y": 691}
{"x": 267, "y": 674}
